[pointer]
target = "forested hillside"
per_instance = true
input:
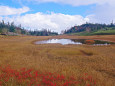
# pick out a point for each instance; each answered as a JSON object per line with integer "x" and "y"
{"x": 12, "y": 29}
{"x": 92, "y": 29}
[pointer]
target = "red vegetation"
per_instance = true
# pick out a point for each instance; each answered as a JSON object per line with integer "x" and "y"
{"x": 29, "y": 77}
{"x": 89, "y": 41}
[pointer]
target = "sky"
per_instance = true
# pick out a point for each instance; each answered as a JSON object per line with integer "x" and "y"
{"x": 56, "y": 15}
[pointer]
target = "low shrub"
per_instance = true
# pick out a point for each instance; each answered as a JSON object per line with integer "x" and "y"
{"x": 30, "y": 77}
{"x": 89, "y": 41}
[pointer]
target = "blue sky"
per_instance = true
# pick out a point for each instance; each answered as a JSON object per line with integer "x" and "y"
{"x": 56, "y": 15}
{"x": 49, "y": 7}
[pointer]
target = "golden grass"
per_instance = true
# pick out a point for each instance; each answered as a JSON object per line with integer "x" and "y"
{"x": 98, "y": 61}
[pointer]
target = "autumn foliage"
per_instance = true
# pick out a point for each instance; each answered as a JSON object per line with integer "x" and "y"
{"x": 89, "y": 41}
{"x": 30, "y": 77}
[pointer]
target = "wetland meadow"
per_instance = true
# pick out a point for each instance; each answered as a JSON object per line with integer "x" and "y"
{"x": 56, "y": 64}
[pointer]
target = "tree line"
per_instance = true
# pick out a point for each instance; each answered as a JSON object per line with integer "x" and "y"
{"x": 12, "y": 29}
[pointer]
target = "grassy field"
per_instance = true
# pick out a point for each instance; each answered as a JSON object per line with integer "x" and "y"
{"x": 69, "y": 60}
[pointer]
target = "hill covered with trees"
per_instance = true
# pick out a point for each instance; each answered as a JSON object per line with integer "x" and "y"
{"x": 92, "y": 29}
{"x": 12, "y": 29}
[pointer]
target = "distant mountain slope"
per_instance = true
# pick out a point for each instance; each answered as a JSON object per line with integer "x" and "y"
{"x": 92, "y": 29}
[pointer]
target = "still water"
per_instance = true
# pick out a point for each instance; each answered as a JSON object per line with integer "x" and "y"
{"x": 74, "y": 41}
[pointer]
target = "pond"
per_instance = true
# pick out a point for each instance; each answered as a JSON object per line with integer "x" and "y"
{"x": 75, "y": 41}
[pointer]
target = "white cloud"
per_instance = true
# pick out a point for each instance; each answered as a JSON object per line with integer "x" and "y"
{"x": 54, "y": 22}
{"x": 5, "y": 10}
{"x": 103, "y": 14}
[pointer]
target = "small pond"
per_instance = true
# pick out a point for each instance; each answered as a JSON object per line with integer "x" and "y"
{"x": 75, "y": 41}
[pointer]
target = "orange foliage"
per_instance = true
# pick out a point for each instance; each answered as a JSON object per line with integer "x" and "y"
{"x": 89, "y": 41}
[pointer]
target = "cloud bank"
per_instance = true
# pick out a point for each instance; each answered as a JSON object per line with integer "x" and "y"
{"x": 54, "y": 21}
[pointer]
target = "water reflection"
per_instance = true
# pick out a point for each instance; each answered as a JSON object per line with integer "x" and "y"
{"x": 61, "y": 41}
{"x": 75, "y": 41}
